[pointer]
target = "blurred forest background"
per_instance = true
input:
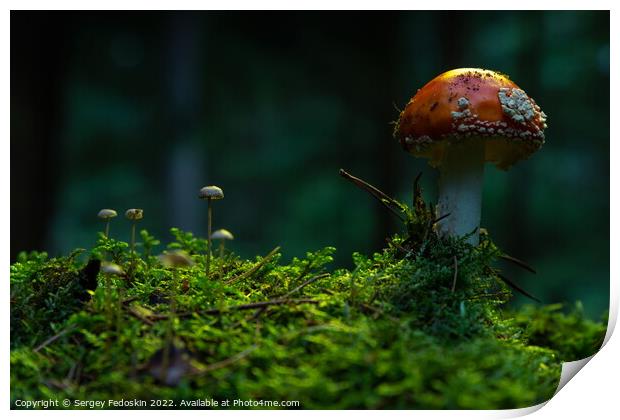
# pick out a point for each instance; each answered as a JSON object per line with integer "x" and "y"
{"x": 141, "y": 109}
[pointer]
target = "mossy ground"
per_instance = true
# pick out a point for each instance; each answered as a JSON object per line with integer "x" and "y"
{"x": 397, "y": 331}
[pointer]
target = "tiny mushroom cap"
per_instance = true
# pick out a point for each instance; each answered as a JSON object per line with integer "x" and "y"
{"x": 134, "y": 214}
{"x": 106, "y": 214}
{"x": 176, "y": 258}
{"x": 111, "y": 268}
{"x": 222, "y": 234}
{"x": 211, "y": 192}
{"x": 472, "y": 103}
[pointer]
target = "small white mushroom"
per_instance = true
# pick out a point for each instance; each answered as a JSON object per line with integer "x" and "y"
{"x": 223, "y": 235}
{"x": 134, "y": 215}
{"x": 107, "y": 215}
{"x": 112, "y": 269}
{"x": 176, "y": 259}
{"x": 209, "y": 193}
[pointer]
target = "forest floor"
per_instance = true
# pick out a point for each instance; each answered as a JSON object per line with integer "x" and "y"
{"x": 423, "y": 324}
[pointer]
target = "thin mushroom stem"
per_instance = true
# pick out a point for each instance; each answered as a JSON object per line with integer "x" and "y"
{"x": 209, "y": 215}
{"x": 107, "y": 228}
{"x": 460, "y": 190}
{"x": 222, "y": 248}
{"x": 133, "y": 247}
{"x": 133, "y": 238}
{"x": 134, "y": 215}
{"x": 210, "y": 193}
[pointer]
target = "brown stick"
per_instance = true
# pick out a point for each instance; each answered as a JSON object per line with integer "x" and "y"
{"x": 259, "y": 311}
{"x": 304, "y": 284}
{"x": 456, "y": 272}
{"x": 378, "y": 311}
{"x": 440, "y": 218}
{"x": 226, "y": 362}
{"x": 250, "y": 318}
{"x": 516, "y": 287}
{"x": 53, "y": 338}
{"x": 135, "y": 313}
{"x": 518, "y": 262}
{"x": 258, "y": 265}
{"x": 131, "y": 299}
{"x": 255, "y": 305}
{"x": 386, "y": 200}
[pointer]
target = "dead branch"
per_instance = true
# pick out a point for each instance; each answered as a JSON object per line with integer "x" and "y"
{"x": 386, "y": 200}
{"x": 518, "y": 262}
{"x": 456, "y": 272}
{"x": 53, "y": 338}
{"x": 516, "y": 287}
{"x": 255, "y": 305}
{"x": 254, "y": 269}
{"x": 304, "y": 284}
{"x": 226, "y": 362}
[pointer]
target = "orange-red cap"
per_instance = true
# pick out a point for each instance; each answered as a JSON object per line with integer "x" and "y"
{"x": 472, "y": 103}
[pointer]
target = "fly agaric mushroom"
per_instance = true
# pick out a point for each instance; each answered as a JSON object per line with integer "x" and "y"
{"x": 460, "y": 120}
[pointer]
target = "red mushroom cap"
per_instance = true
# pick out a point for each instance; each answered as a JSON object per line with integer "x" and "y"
{"x": 472, "y": 103}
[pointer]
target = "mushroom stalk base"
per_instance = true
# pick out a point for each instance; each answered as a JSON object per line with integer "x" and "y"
{"x": 460, "y": 189}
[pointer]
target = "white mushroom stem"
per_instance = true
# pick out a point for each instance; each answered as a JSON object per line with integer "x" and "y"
{"x": 209, "y": 215}
{"x": 460, "y": 189}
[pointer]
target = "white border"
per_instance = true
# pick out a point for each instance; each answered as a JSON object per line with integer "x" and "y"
{"x": 592, "y": 394}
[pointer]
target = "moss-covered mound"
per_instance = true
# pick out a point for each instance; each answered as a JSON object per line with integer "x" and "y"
{"x": 420, "y": 325}
{"x": 399, "y": 331}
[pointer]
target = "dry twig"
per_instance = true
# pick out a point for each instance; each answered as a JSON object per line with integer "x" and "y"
{"x": 456, "y": 272}
{"x": 53, "y": 338}
{"x": 254, "y": 269}
{"x": 255, "y": 305}
{"x": 389, "y": 203}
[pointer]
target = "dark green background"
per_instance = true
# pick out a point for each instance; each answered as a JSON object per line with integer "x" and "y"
{"x": 141, "y": 109}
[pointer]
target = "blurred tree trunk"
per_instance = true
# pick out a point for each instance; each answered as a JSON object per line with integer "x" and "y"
{"x": 38, "y": 60}
{"x": 528, "y": 58}
{"x": 385, "y": 43}
{"x": 453, "y": 37}
{"x": 185, "y": 162}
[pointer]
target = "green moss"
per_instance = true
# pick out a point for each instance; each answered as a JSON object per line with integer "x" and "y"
{"x": 400, "y": 330}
